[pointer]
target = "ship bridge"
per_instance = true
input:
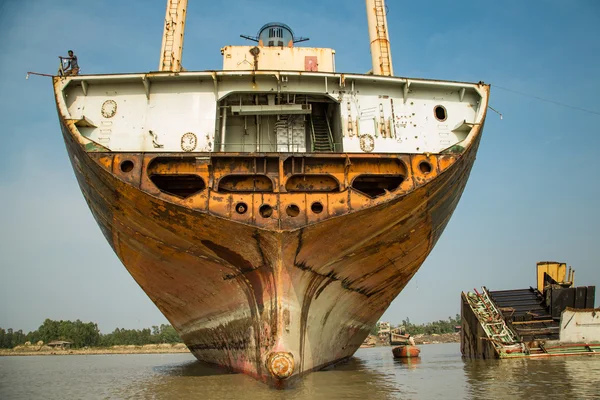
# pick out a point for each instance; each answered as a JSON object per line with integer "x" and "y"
{"x": 275, "y": 34}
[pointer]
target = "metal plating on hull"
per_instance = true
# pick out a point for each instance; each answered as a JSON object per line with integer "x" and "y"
{"x": 272, "y": 216}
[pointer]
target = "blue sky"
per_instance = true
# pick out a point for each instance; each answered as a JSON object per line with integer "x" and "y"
{"x": 533, "y": 193}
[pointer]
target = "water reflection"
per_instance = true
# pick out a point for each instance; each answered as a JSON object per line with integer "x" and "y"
{"x": 539, "y": 378}
{"x": 353, "y": 379}
{"x": 440, "y": 373}
{"x": 372, "y": 374}
{"x": 190, "y": 368}
{"x": 409, "y": 362}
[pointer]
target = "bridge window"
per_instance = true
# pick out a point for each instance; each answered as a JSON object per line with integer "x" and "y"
{"x": 276, "y": 32}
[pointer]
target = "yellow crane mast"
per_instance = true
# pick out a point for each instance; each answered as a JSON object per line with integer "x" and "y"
{"x": 172, "y": 43}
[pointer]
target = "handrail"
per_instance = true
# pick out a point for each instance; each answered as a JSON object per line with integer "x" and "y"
{"x": 263, "y": 148}
{"x": 61, "y": 67}
{"x": 330, "y": 136}
{"x": 312, "y": 128}
{"x": 271, "y": 148}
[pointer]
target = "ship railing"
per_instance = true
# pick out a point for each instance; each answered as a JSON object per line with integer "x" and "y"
{"x": 61, "y": 67}
{"x": 312, "y": 132}
{"x": 272, "y": 148}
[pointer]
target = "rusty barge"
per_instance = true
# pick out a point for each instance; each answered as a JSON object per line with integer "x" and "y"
{"x": 555, "y": 318}
{"x": 271, "y": 210}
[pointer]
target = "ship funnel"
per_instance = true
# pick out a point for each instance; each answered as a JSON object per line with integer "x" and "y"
{"x": 172, "y": 43}
{"x": 380, "y": 40}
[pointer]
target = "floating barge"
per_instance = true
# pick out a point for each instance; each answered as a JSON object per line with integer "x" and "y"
{"x": 554, "y": 319}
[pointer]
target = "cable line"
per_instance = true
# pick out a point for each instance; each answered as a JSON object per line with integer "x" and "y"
{"x": 547, "y": 100}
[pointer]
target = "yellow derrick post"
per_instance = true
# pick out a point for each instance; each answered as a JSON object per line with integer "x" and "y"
{"x": 380, "y": 40}
{"x": 556, "y": 270}
{"x": 172, "y": 43}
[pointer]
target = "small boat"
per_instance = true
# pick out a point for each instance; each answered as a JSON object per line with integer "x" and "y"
{"x": 397, "y": 339}
{"x": 406, "y": 351}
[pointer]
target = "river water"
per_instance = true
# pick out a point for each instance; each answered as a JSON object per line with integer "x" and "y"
{"x": 371, "y": 374}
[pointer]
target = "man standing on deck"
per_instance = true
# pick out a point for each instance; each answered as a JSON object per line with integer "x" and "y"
{"x": 72, "y": 66}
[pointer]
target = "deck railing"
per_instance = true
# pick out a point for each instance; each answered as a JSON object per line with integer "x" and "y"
{"x": 272, "y": 148}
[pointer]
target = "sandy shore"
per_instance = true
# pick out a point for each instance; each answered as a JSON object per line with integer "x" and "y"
{"x": 131, "y": 349}
{"x": 34, "y": 350}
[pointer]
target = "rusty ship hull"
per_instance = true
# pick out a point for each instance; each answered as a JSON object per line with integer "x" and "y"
{"x": 272, "y": 297}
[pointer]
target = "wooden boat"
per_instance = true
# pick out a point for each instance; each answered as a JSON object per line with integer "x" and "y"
{"x": 399, "y": 339}
{"x": 407, "y": 351}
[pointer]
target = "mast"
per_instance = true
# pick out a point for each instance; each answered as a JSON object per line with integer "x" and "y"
{"x": 172, "y": 43}
{"x": 380, "y": 41}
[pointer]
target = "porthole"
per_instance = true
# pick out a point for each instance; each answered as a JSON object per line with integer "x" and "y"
{"x": 316, "y": 207}
{"x": 241, "y": 208}
{"x": 265, "y": 211}
{"x": 425, "y": 167}
{"x": 127, "y": 166}
{"x": 292, "y": 210}
{"x": 440, "y": 113}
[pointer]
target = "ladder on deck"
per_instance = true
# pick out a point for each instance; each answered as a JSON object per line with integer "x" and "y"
{"x": 491, "y": 319}
{"x": 321, "y": 134}
{"x": 172, "y": 46}
{"x": 385, "y": 60}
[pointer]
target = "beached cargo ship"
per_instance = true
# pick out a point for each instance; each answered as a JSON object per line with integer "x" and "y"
{"x": 271, "y": 210}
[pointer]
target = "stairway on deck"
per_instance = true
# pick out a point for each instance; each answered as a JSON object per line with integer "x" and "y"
{"x": 525, "y": 311}
{"x": 321, "y": 129}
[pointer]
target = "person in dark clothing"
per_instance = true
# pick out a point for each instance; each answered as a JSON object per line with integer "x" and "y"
{"x": 72, "y": 65}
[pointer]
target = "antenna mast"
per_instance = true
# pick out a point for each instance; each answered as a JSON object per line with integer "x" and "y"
{"x": 172, "y": 43}
{"x": 380, "y": 41}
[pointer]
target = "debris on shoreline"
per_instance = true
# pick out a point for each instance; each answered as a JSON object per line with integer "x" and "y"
{"x": 434, "y": 338}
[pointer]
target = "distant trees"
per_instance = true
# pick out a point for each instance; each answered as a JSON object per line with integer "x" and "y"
{"x": 80, "y": 333}
{"x": 83, "y": 334}
{"x": 437, "y": 327}
{"x": 159, "y": 334}
{"x": 10, "y": 339}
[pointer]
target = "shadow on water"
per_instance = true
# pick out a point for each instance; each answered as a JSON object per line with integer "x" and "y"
{"x": 191, "y": 368}
{"x": 194, "y": 379}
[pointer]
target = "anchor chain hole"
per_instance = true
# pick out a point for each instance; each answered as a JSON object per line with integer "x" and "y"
{"x": 241, "y": 208}
{"x": 127, "y": 166}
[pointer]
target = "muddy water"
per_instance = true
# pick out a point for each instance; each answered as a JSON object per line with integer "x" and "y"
{"x": 371, "y": 374}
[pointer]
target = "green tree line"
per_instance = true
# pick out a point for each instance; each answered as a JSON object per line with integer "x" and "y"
{"x": 438, "y": 327}
{"x": 87, "y": 334}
